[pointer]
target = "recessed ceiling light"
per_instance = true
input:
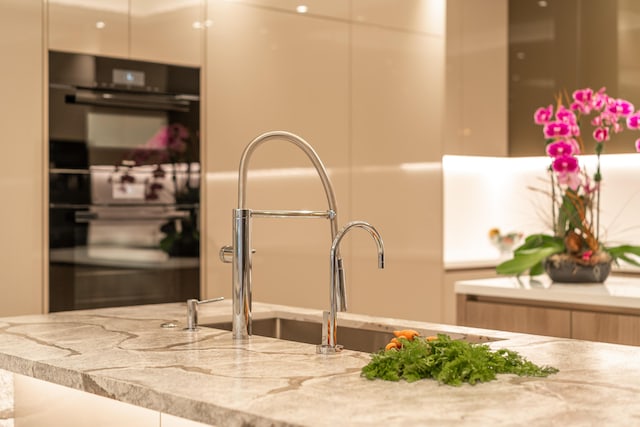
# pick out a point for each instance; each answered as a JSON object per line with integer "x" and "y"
{"x": 100, "y": 25}
{"x": 543, "y": 3}
{"x": 302, "y": 9}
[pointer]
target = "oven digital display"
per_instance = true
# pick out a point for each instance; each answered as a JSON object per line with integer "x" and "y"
{"x": 128, "y": 77}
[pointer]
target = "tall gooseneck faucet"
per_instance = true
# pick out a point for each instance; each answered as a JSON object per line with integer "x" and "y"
{"x": 241, "y": 251}
{"x": 329, "y": 342}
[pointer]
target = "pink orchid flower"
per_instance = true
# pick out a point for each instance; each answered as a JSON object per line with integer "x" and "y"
{"x": 633, "y": 121}
{"x": 601, "y": 134}
{"x": 566, "y": 116}
{"x": 567, "y": 171}
{"x": 556, "y": 129}
{"x": 565, "y": 164}
{"x": 600, "y": 99}
{"x": 543, "y": 115}
{"x": 561, "y": 148}
{"x": 570, "y": 179}
{"x": 620, "y": 107}
{"x": 583, "y": 96}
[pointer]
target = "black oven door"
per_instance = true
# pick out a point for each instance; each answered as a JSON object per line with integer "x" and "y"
{"x": 124, "y": 191}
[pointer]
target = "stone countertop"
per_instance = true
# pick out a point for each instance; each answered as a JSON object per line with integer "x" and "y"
{"x": 617, "y": 291}
{"x": 124, "y": 354}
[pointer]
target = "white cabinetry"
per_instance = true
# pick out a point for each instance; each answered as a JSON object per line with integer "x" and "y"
{"x": 41, "y": 403}
{"x": 168, "y": 31}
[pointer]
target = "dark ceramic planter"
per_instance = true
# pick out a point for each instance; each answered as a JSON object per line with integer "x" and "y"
{"x": 566, "y": 270}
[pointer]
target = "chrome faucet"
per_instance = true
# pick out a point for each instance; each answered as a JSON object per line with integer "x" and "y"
{"x": 329, "y": 343}
{"x": 240, "y": 251}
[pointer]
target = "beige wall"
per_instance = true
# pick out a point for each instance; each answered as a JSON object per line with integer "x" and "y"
{"x": 21, "y": 175}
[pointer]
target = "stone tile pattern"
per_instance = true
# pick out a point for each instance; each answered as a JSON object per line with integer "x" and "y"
{"x": 124, "y": 354}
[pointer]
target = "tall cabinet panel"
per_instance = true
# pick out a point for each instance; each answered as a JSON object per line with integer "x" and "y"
{"x": 168, "y": 31}
{"x": 21, "y": 175}
{"x": 397, "y": 92}
{"x": 89, "y": 26}
{"x": 269, "y": 69}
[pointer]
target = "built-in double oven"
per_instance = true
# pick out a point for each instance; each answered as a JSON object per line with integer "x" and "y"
{"x": 124, "y": 182}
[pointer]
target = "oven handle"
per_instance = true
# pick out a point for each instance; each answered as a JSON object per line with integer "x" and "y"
{"x": 138, "y": 101}
{"x": 88, "y": 216}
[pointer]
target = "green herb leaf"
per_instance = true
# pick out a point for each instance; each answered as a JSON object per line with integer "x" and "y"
{"x": 449, "y": 362}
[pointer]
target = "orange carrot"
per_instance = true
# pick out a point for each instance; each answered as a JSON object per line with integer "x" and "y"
{"x": 409, "y": 334}
{"x": 391, "y": 346}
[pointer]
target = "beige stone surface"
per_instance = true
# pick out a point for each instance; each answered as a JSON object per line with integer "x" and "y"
{"x": 205, "y": 376}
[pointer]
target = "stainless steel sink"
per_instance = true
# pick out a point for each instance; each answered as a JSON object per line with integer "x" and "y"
{"x": 352, "y": 338}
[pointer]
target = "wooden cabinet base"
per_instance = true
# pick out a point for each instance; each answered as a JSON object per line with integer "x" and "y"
{"x": 593, "y": 323}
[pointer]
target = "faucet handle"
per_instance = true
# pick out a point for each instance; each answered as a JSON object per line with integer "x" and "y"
{"x": 226, "y": 254}
{"x": 192, "y": 311}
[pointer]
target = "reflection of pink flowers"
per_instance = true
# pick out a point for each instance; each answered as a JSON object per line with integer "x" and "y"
{"x": 159, "y": 140}
{"x": 172, "y": 138}
{"x": 169, "y": 144}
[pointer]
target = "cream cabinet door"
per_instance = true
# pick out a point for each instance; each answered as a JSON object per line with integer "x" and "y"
{"x": 170, "y": 31}
{"x": 21, "y": 174}
{"x": 89, "y": 26}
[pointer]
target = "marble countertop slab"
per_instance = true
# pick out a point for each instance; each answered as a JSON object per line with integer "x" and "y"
{"x": 617, "y": 291}
{"x": 206, "y": 376}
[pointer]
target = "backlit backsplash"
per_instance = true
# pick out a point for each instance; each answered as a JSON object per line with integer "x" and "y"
{"x": 511, "y": 193}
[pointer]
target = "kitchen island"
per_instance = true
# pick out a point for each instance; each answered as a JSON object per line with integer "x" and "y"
{"x": 125, "y": 355}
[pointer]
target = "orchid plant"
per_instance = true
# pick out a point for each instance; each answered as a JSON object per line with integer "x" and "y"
{"x": 575, "y": 193}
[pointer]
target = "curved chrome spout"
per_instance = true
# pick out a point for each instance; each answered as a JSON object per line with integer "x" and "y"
{"x": 301, "y": 144}
{"x": 241, "y": 251}
{"x": 329, "y": 325}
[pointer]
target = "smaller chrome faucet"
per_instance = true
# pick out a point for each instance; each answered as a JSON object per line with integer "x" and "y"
{"x": 329, "y": 343}
{"x": 192, "y": 311}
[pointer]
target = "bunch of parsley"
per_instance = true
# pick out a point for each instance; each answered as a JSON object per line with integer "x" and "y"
{"x": 449, "y": 362}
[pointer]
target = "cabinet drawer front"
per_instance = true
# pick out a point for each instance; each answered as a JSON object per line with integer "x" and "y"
{"x": 613, "y": 328}
{"x": 516, "y": 318}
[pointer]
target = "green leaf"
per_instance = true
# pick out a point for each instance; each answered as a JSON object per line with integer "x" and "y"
{"x": 530, "y": 255}
{"x": 623, "y": 251}
{"x": 568, "y": 217}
